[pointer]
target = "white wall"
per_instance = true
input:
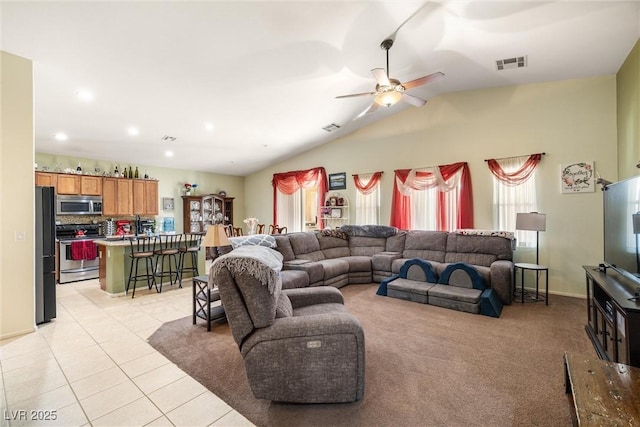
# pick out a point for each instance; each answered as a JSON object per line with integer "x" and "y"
{"x": 573, "y": 120}
{"x": 171, "y": 182}
{"x": 17, "y": 315}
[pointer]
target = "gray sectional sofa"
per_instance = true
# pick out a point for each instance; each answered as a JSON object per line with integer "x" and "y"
{"x": 365, "y": 254}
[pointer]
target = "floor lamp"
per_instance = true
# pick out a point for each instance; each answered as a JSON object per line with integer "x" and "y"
{"x": 532, "y": 221}
{"x": 215, "y": 237}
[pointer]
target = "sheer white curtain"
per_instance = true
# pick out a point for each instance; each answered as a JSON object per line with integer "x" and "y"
{"x": 367, "y": 205}
{"x": 423, "y": 209}
{"x": 510, "y": 200}
{"x": 290, "y": 212}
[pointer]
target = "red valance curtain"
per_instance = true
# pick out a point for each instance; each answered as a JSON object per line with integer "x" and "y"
{"x": 422, "y": 180}
{"x": 370, "y": 186}
{"x": 290, "y": 182}
{"x": 517, "y": 177}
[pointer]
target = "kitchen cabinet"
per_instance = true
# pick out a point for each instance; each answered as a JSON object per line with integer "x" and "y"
{"x": 90, "y": 185}
{"x": 68, "y": 184}
{"x": 201, "y": 211}
{"x": 117, "y": 196}
{"x": 145, "y": 197}
{"x": 46, "y": 179}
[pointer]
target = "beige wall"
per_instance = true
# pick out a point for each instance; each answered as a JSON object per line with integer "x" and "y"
{"x": 17, "y": 313}
{"x": 170, "y": 184}
{"x": 571, "y": 121}
{"x": 628, "y": 102}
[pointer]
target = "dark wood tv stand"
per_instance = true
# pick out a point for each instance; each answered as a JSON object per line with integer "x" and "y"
{"x": 613, "y": 320}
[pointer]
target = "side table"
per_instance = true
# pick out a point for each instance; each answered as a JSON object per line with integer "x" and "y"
{"x": 203, "y": 296}
{"x": 538, "y": 269}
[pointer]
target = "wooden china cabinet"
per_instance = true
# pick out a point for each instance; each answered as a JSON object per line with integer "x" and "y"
{"x": 202, "y": 211}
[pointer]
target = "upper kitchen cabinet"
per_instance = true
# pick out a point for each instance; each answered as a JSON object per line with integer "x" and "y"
{"x": 68, "y": 184}
{"x": 117, "y": 196}
{"x": 145, "y": 197}
{"x": 46, "y": 179}
{"x": 91, "y": 185}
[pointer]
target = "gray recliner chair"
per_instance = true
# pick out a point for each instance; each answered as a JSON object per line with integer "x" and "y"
{"x": 298, "y": 345}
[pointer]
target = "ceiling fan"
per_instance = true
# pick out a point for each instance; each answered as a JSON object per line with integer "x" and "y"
{"x": 390, "y": 91}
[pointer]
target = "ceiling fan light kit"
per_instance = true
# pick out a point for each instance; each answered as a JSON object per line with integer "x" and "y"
{"x": 391, "y": 91}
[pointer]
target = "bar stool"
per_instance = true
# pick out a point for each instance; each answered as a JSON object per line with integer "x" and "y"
{"x": 260, "y": 228}
{"x": 191, "y": 246}
{"x": 167, "y": 246}
{"x": 142, "y": 248}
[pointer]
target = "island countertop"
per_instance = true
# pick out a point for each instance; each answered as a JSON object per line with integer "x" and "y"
{"x": 115, "y": 263}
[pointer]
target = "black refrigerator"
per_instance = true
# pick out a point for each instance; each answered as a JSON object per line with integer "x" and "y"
{"x": 45, "y": 233}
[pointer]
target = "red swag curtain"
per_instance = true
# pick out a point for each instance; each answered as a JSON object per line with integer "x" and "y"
{"x": 517, "y": 177}
{"x": 290, "y": 182}
{"x": 369, "y": 186}
{"x": 400, "y": 204}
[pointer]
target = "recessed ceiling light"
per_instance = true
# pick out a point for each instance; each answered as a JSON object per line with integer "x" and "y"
{"x": 133, "y": 131}
{"x": 60, "y": 136}
{"x": 168, "y": 153}
{"x": 84, "y": 95}
{"x": 208, "y": 126}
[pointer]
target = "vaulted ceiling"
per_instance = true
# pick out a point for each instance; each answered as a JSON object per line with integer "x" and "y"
{"x": 231, "y": 87}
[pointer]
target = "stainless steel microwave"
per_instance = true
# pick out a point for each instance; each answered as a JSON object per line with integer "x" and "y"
{"x": 78, "y": 205}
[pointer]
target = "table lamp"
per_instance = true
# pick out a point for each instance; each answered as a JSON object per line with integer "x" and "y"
{"x": 215, "y": 237}
{"x": 532, "y": 221}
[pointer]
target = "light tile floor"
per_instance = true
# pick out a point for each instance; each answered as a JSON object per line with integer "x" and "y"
{"x": 92, "y": 365}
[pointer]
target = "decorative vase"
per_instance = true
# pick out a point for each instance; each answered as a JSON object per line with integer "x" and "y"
{"x": 187, "y": 193}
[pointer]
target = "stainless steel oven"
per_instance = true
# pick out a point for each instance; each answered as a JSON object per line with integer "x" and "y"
{"x": 77, "y": 252}
{"x": 78, "y": 205}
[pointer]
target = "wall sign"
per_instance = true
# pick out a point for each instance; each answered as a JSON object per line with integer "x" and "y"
{"x": 577, "y": 177}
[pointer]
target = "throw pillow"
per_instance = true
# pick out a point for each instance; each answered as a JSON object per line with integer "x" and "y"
{"x": 266, "y": 240}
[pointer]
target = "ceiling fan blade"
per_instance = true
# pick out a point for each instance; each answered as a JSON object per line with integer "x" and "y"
{"x": 423, "y": 80}
{"x": 381, "y": 76}
{"x": 413, "y": 100}
{"x": 373, "y": 107}
{"x": 353, "y": 95}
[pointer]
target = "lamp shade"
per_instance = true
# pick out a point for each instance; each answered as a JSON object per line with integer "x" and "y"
{"x": 532, "y": 221}
{"x": 215, "y": 237}
{"x": 389, "y": 98}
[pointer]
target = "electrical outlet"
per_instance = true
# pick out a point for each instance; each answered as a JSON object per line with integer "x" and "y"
{"x": 19, "y": 235}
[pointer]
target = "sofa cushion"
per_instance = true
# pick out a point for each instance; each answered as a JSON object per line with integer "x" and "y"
{"x": 428, "y": 245}
{"x": 292, "y": 279}
{"x": 326, "y": 308}
{"x": 306, "y": 246}
{"x": 333, "y": 247}
{"x": 334, "y": 267}
{"x": 412, "y": 286}
{"x": 477, "y": 250}
{"x": 283, "y": 245}
{"x": 456, "y": 293}
{"x": 313, "y": 269}
{"x": 366, "y": 246}
{"x": 396, "y": 242}
{"x": 358, "y": 263}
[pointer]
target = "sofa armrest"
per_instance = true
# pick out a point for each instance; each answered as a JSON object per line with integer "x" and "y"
{"x": 313, "y": 269}
{"x": 382, "y": 260}
{"x": 502, "y": 280}
{"x": 301, "y": 297}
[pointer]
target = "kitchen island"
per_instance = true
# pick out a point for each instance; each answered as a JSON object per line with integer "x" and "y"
{"x": 115, "y": 263}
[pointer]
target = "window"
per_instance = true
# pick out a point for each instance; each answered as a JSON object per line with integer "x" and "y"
{"x": 514, "y": 190}
{"x": 297, "y": 196}
{"x": 367, "y": 198}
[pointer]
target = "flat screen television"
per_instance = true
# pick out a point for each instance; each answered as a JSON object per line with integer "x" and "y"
{"x": 622, "y": 227}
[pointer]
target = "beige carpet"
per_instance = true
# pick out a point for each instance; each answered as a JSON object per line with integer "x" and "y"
{"x": 425, "y": 365}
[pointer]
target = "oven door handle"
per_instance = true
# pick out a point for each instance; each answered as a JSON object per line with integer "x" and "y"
{"x": 78, "y": 270}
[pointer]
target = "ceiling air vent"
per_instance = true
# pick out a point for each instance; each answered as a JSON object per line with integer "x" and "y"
{"x": 331, "y": 127}
{"x": 509, "y": 63}
{"x": 168, "y": 138}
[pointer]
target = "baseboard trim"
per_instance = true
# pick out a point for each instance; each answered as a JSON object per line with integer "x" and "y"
{"x": 18, "y": 333}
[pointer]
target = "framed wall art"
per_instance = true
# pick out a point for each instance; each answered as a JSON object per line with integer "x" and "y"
{"x": 577, "y": 177}
{"x": 167, "y": 203}
{"x": 337, "y": 181}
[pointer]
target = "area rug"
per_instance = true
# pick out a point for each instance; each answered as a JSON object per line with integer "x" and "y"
{"x": 425, "y": 365}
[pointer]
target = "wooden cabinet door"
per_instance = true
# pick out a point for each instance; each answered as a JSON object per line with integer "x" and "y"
{"x": 151, "y": 197}
{"x": 68, "y": 184}
{"x": 44, "y": 179}
{"x": 138, "y": 197}
{"x": 91, "y": 185}
{"x": 124, "y": 197}
{"x": 109, "y": 199}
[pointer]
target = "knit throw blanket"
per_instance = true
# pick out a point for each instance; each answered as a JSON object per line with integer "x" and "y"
{"x": 262, "y": 263}
{"x": 369, "y": 230}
